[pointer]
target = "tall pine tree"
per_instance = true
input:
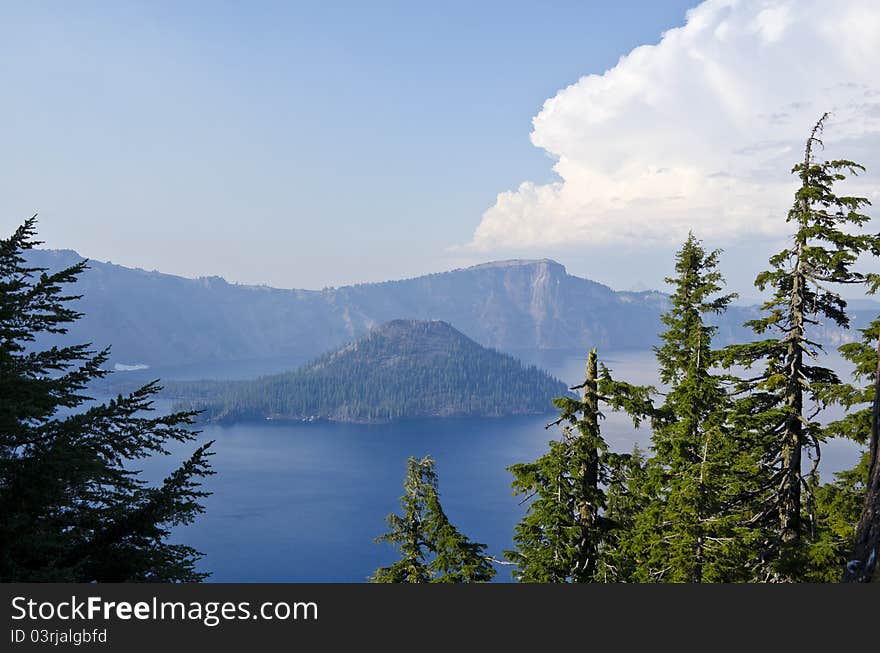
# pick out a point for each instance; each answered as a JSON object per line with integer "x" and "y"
{"x": 687, "y": 528}
{"x": 784, "y": 401}
{"x": 71, "y": 507}
{"x": 432, "y": 549}
{"x": 565, "y": 535}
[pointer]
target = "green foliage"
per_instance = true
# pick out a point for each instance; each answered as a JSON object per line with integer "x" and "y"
{"x": 855, "y": 399}
{"x": 71, "y": 507}
{"x": 688, "y": 529}
{"x": 401, "y": 370}
{"x": 837, "y": 510}
{"x": 839, "y": 504}
{"x": 781, "y": 406}
{"x": 566, "y": 535}
{"x": 627, "y": 499}
{"x": 431, "y": 547}
{"x": 723, "y": 495}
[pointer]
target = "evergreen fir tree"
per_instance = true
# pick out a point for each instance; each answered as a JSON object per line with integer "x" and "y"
{"x": 628, "y": 499}
{"x": 838, "y": 505}
{"x": 686, "y": 527}
{"x": 71, "y": 507}
{"x": 565, "y": 535}
{"x": 432, "y": 549}
{"x": 849, "y": 508}
{"x": 777, "y": 411}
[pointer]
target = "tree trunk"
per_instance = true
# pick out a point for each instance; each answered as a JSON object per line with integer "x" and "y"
{"x": 790, "y": 493}
{"x": 862, "y": 565}
{"x": 699, "y": 551}
{"x": 792, "y": 435}
{"x": 589, "y": 471}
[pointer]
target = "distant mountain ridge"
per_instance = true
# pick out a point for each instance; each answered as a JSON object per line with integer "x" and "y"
{"x": 404, "y": 369}
{"x": 514, "y": 306}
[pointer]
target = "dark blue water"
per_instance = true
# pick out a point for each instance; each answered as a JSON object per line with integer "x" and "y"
{"x": 303, "y": 502}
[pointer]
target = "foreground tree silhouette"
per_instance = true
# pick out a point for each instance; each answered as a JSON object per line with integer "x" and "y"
{"x": 71, "y": 506}
{"x": 432, "y": 549}
{"x": 778, "y": 410}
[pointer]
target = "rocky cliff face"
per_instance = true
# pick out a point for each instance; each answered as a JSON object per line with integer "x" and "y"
{"x": 513, "y": 305}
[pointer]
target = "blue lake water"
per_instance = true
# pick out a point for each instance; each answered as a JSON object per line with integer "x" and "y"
{"x": 303, "y": 502}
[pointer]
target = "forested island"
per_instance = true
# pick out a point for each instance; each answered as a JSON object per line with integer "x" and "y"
{"x": 403, "y": 369}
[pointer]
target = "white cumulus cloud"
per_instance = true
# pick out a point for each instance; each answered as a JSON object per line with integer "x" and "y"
{"x": 701, "y": 130}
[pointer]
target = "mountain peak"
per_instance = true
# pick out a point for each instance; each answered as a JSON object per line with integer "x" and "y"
{"x": 416, "y": 339}
{"x": 400, "y": 326}
{"x": 519, "y": 262}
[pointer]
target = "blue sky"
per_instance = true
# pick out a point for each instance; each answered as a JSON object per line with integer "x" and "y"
{"x": 300, "y": 144}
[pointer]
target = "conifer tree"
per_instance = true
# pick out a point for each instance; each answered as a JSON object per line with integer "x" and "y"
{"x": 850, "y": 506}
{"x": 565, "y": 535}
{"x": 838, "y": 505}
{"x": 628, "y": 499}
{"x": 71, "y": 506}
{"x": 824, "y": 248}
{"x": 432, "y": 549}
{"x": 686, "y": 528}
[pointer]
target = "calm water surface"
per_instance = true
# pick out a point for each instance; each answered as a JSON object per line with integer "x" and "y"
{"x": 303, "y": 502}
